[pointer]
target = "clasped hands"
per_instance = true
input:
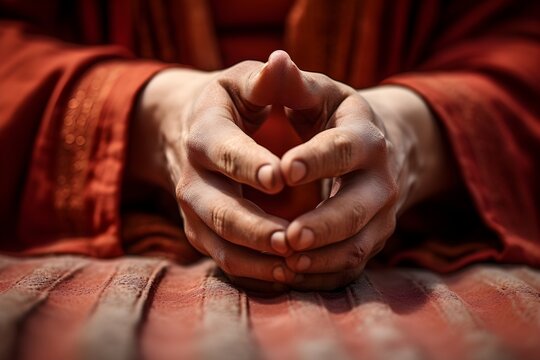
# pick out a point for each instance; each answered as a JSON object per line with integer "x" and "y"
{"x": 202, "y": 122}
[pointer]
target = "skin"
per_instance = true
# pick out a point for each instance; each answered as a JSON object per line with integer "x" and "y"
{"x": 381, "y": 147}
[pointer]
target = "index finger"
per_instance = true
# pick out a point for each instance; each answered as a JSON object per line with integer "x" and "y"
{"x": 353, "y": 142}
{"x": 214, "y": 201}
{"x": 341, "y": 216}
{"x": 218, "y": 144}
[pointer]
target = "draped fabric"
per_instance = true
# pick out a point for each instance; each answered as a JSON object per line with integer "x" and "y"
{"x": 66, "y": 307}
{"x": 72, "y": 71}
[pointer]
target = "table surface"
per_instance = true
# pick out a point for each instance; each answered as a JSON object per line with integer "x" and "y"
{"x": 66, "y": 307}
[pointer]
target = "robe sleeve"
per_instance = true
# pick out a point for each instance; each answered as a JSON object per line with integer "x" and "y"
{"x": 64, "y": 114}
{"x": 482, "y": 81}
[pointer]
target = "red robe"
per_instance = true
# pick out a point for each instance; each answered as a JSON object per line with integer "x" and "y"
{"x": 69, "y": 78}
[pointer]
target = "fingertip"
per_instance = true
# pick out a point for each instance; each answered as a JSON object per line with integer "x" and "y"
{"x": 297, "y": 171}
{"x": 303, "y": 263}
{"x": 280, "y": 82}
{"x": 278, "y": 243}
{"x": 294, "y": 170}
{"x": 299, "y": 262}
{"x": 299, "y": 236}
{"x": 280, "y": 57}
{"x": 293, "y": 233}
{"x": 265, "y": 86}
{"x": 265, "y": 175}
{"x": 279, "y": 274}
{"x": 306, "y": 240}
{"x": 283, "y": 274}
{"x": 270, "y": 179}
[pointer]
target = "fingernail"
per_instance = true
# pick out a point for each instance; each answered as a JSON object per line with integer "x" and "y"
{"x": 265, "y": 175}
{"x": 303, "y": 263}
{"x": 298, "y": 171}
{"x": 277, "y": 242}
{"x": 307, "y": 238}
{"x": 279, "y": 274}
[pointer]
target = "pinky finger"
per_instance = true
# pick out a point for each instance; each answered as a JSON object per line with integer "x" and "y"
{"x": 237, "y": 260}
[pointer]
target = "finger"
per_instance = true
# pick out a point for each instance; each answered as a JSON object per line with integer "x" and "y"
{"x": 218, "y": 144}
{"x": 346, "y": 255}
{"x": 342, "y": 216}
{"x": 327, "y": 282}
{"x": 217, "y": 203}
{"x": 309, "y": 98}
{"x": 236, "y": 260}
{"x": 334, "y": 152}
{"x": 191, "y": 225}
{"x": 254, "y": 86}
{"x": 280, "y": 82}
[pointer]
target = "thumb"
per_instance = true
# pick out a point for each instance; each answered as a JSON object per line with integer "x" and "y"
{"x": 309, "y": 98}
{"x": 280, "y": 82}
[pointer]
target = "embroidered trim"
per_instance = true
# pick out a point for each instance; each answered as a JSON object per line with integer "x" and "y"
{"x": 82, "y": 117}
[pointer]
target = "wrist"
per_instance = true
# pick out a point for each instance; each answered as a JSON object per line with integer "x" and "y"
{"x": 158, "y": 123}
{"x": 424, "y": 164}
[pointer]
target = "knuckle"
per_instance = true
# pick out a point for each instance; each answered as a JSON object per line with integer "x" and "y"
{"x": 220, "y": 219}
{"x": 324, "y": 231}
{"x": 190, "y": 234}
{"x": 355, "y": 256}
{"x": 224, "y": 261}
{"x": 386, "y": 186}
{"x": 255, "y": 232}
{"x": 392, "y": 192}
{"x": 356, "y": 218}
{"x": 227, "y": 159}
{"x": 376, "y": 140}
{"x": 390, "y": 148}
{"x": 342, "y": 152}
{"x": 380, "y": 143}
{"x": 182, "y": 191}
{"x": 191, "y": 142}
{"x": 194, "y": 147}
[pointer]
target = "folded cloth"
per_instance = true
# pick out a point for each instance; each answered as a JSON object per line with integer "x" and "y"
{"x": 65, "y": 307}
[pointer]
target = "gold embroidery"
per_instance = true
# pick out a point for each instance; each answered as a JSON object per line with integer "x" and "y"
{"x": 82, "y": 118}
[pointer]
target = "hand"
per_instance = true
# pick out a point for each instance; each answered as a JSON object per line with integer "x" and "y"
{"x": 382, "y": 150}
{"x": 203, "y": 122}
{"x": 192, "y": 130}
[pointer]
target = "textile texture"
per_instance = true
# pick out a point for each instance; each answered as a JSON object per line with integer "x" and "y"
{"x": 65, "y": 307}
{"x": 71, "y": 77}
